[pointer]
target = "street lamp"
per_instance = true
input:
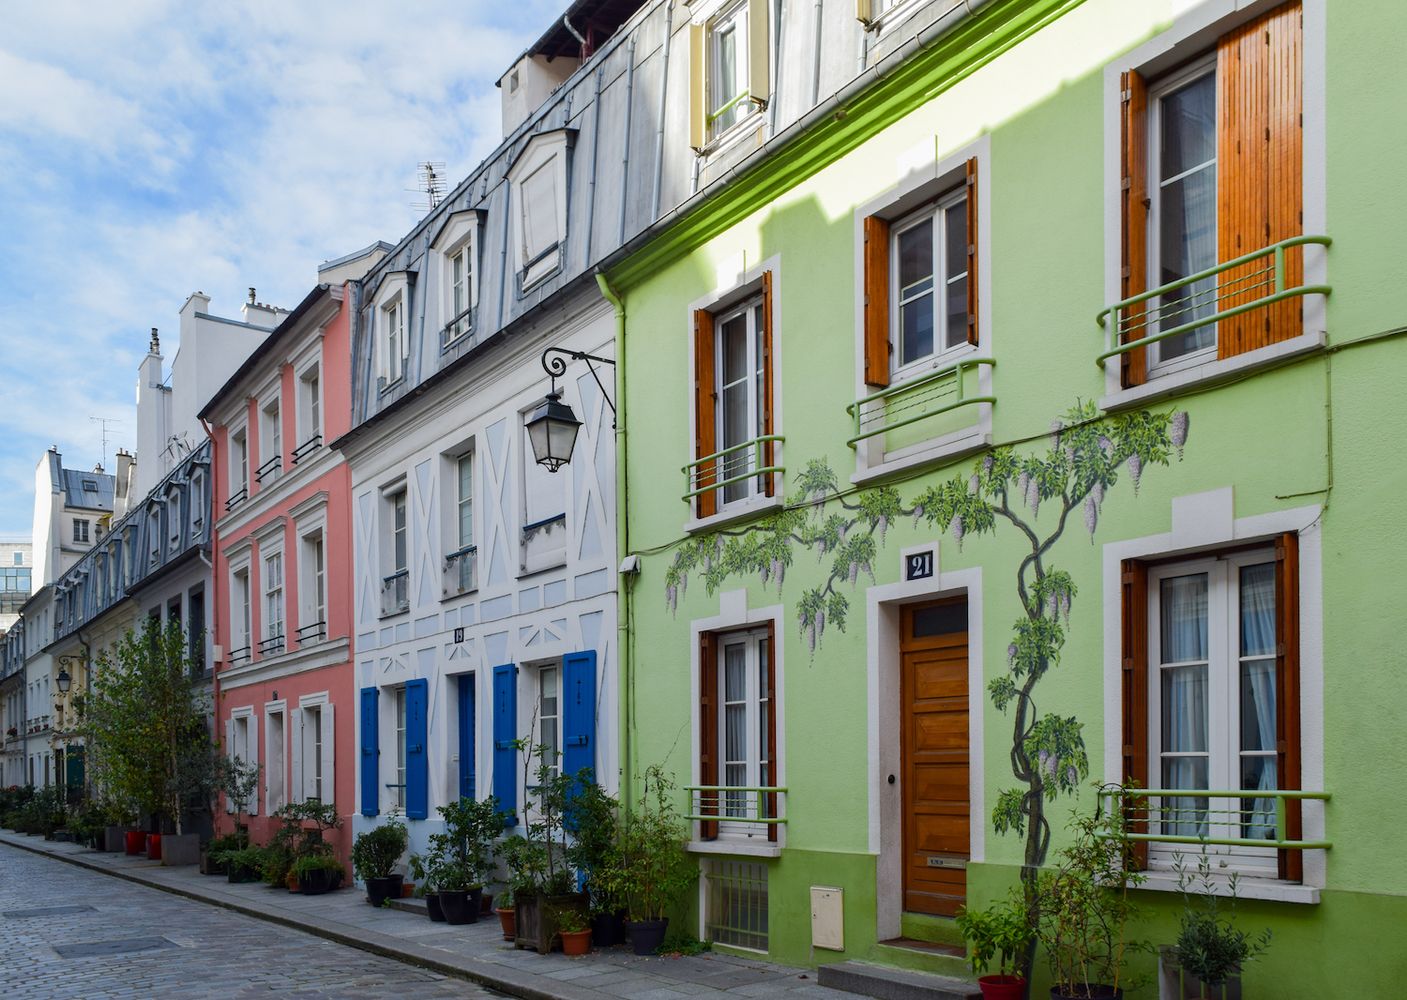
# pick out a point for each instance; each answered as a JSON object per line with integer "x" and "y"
{"x": 553, "y": 427}
{"x": 65, "y": 681}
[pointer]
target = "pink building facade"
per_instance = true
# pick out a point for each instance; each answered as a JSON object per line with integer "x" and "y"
{"x": 282, "y": 565}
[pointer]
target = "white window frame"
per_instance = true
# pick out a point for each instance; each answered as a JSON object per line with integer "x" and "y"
{"x": 1160, "y": 88}
{"x": 535, "y": 562}
{"x": 273, "y": 594}
{"x": 392, "y": 347}
{"x": 81, "y": 536}
{"x": 755, "y": 718}
{"x": 749, "y": 308}
{"x": 733, "y": 17}
{"x": 400, "y": 759}
{"x": 173, "y": 521}
{"x": 241, "y": 610}
{"x": 1223, "y": 700}
{"x": 310, "y": 403}
{"x": 275, "y": 756}
{"x": 199, "y": 502}
{"x": 546, "y": 151}
{"x": 544, "y": 674}
{"x": 312, "y": 582}
{"x": 937, "y": 213}
{"x": 454, "y": 503}
{"x": 314, "y": 749}
{"x": 271, "y": 435}
{"x": 243, "y": 736}
{"x": 391, "y": 564}
{"x": 239, "y": 459}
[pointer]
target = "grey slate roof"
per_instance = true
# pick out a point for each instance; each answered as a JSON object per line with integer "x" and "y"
{"x": 89, "y": 490}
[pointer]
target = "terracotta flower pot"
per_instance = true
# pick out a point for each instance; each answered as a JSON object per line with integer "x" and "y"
{"x": 507, "y": 922}
{"x": 576, "y": 942}
{"x": 407, "y": 890}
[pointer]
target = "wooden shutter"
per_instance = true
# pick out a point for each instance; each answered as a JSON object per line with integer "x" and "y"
{"x": 1134, "y": 202}
{"x": 972, "y": 250}
{"x": 698, "y": 90}
{"x": 708, "y": 732}
{"x": 876, "y": 293}
{"x": 1135, "y": 695}
{"x": 759, "y": 51}
{"x": 705, "y": 421}
{"x": 772, "y": 752}
{"x": 769, "y": 485}
{"x": 1259, "y": 172}
{"x": 1287, "y": 693}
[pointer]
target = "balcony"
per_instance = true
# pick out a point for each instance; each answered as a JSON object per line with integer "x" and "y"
{"x": 316, "y": 632}
{"x": 460, "y": 573}
{"x": 457, "y": 329}
{"x": 1181, "y": 307}
{"x": 395, "y": 593}
{"x": 306, "y": 448}
{"x": 1244, "y": 818}
{"x": 924, "y": 397}
{"x": 242, "y": 654}
{"x": 731, "y": 469}
{"x": 271, "y": 646}
{"x": 269, "y": 470}
{"x": 760, "y": 804}
{"x": 237, "y": 498}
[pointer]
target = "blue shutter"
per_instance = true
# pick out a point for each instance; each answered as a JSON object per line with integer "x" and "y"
{"x": 505, "y": 753}
{"x": 579, "y": 711}
{"x": 417, "y": 769}
{"x": 371, "y": 771}
{"x": 466, "y": 736}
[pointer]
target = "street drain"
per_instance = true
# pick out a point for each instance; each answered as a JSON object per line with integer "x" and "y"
{"x": 96, "y": 949}
{"x": 45, "y": 911}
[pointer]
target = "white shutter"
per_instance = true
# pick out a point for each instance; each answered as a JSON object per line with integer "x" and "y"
{"x": 295, "y": 793}
{"x": 251, "y": 751}
{"x": 329, "y": 787}
{"x": 230, "y": 751}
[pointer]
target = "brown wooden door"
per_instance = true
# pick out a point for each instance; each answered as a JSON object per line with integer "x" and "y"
{"x": 933, "y": 719}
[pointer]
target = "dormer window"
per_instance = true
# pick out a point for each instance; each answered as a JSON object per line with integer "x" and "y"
{"x": 730, "y": 51}
{"x": 539, "y": 195}
{"x": 391, "y": 302}
{"x": 458, "y": 245}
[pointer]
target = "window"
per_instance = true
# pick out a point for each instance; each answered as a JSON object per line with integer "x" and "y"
{"x": 1216, "y": 659}
{"x": 313, "y": 755}
{"x": 400, "y": 709}
{"x": 196, "y": 633}
{"x": 1229, "y": 122}
{"x": 309, "y": 413}
{"x": 461, "y": 293}
{"x": 312, "y": 589}
{"x": 395, "y": 589}
{"x": 544, "y": 513}
{"x": 239, "y": 621}
{"x": 538, "y": 220}
{"x": 273, "y": 604}
{"x": 241, "y": 734}
{"x": 549, "y": 714}
{"x": 737, "y": 677}
{"x": 729, "y": 81}
{"x": 199, "y": 500}
{"x": 733, "y": 403}
{"x": 538, "y": 179}
{"x": 19, "y": 558}
{"x": 460, "y": 564}
{"x": 270, "y": 442}
{"x": 393, "y": 342}
{"x": 154, "y": 537}
{"x": 275, "y": 739}
{"x": 80, "y": 529}
{"x": 173, "y": 521}
{"x": 736, "y": 903}
{"x": 920, "y": 284}
{"x": 239, "y": 467}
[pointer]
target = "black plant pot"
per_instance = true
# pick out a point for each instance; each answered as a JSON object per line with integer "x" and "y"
{"x": 647, "y": 935}
{"x": 458, "y": 906}
{"x": 433, "y": 907}
{"x": 1086, "y": 991}
{"x": 319, "y": 881}
{"x": 378, "y": 890}
{"x": 208, "y": 866}
{"x": 608, "y": 929}
{"x": 240, "y": 873}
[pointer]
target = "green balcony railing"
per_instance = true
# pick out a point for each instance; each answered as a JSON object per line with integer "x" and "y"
{"x": 1144, "y": 319}
{"x": 928, "y": 395}
{"x": 730, "y": 466}
{"x": 1151, "y": 819}
{"x": 737, "y": 804}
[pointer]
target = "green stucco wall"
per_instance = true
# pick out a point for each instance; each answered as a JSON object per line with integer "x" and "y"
{"x": 1275, "y": 437}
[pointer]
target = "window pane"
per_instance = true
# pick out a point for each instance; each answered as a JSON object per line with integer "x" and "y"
{"x": 1189, "y": 126}
{"x": 733, "y": 337}
{"x": 1258, "y": 610}
{"x": 955, "y": 223}
{"x": 1187, "y": 211}
{"x": 1258, "y": 814}
{"x": 1185, "y": 710}
{"x": 956, "y": 323}
{"x": 540, "y": 210}
{"x": 1258, "y": 706}
{"x": 1184, "y": 817}
{"x": 916, "y": 258}
{"x": 916, "y": 329}
{"x": 735, "y": 673}
{"x": 1184, "y": 618}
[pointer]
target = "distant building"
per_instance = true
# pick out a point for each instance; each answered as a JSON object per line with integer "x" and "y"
{"x": 16, "y": 573}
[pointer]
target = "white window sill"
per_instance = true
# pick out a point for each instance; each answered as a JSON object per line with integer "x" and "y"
{"x": 947, "y": 448}
{"x": 736, "y": 848}
{"x": 736, "y": 132}
{"x": 742, "y": 510}
{"x": 1210, "y": 372}
{"x": 1247, "y": 887}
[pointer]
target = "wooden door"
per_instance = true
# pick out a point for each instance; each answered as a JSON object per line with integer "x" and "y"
{"x": 933, "y": 720}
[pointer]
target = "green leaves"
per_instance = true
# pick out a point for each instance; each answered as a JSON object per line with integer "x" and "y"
{"x": 1009, "y": 812}
{"x": 1056, "y": 747}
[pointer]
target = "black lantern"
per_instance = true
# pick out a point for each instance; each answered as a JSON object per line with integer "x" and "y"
{"x": 65, "y": 681}
{"x": 552, "y": 430}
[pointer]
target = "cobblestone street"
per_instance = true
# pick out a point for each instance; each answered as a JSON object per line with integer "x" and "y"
{"x": 66, "y": 932}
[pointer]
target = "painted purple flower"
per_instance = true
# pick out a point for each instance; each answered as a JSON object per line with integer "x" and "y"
{"x": 1065, "y": 605}
{"x": 1105, "y": 445}
{"x": 1177, "y": 430}
{"x": 883, "y": 526}
{"x": 1022, "y": 482}
{"x": 956, "y": 525}
{"x": 987, "y": 465}
{"x": 1043, "y": 757}
{"x": 1011, "y": 654}
{"x": 1052, "y": 605}
{"x": 918, "y": 514}
{"x": 973, "y": 484}
{"x": 1097, "y": 492}
{"x": 1052, "y": 764}
{"x": 1072, "y": 776}
{"x": 1135, "y": 469}
{"x": 1091, "y": 516}
{"x": 1033, "y": 497}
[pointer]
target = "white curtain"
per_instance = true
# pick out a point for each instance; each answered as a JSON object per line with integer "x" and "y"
{"x": 1258, "y": 696}
{"x": 1184, "y": 696}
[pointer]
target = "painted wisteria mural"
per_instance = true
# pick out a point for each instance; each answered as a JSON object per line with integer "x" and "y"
{"x": 1035, "y": 495}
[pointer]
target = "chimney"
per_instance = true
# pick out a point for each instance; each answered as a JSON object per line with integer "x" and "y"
{"x": 125, "y": 462}
{"x": 155, "y": 346}
{"x": 258, "y": 313}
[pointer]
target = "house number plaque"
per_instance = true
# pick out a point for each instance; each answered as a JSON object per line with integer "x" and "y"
{"x": 918, "y": 565}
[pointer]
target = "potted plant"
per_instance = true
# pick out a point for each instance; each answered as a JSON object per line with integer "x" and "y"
{"x": 1210, "y": 949}
{"x": 374, "y": 856}
{"x": 212, "y": 855}
{"x": 1085, "y": 908}
{"x": 466, "y": 852}
{"x": 546, "y": 882}
{"x": 317, "y": 873}
{"x": 593, "y": 817}
{"x": 1002, "y": 933}
{"x": 654, "y": 869}
{"x": 242, "y": 864}
{"x": 575, "y": 931}
{"x": 506, "y": 915}
{"x": 425, "y": 869}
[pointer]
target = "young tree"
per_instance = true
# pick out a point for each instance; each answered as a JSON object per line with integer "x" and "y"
{"x": 144, "y": 723}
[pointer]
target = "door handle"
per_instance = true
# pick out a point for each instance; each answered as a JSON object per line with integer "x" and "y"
{"x": 891, "y": 779}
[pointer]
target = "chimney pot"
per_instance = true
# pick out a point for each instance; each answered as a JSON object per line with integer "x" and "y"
{"x": 251, "y": 295}
{"x": 155, "y": 347}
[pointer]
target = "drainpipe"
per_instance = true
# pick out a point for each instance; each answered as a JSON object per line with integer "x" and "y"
{"x": 659, "y": 130}
{"x": 816, "y": 76}
{"x": 625, "y": 146}
{"x": 624, "y": 620}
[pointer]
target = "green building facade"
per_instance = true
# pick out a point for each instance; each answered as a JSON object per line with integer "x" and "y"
{"x": 942, "y": 559}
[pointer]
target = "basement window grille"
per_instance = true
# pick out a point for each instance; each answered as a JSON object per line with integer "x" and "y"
{"x": 736, "y": 903}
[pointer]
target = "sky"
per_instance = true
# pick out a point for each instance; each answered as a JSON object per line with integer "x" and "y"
{"x": 149, "y": 149}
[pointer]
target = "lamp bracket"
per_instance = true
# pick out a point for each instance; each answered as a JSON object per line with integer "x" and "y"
{"x": 554, "y": 362}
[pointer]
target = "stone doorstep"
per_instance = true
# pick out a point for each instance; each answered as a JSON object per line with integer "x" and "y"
{"x": 888, "y": 983}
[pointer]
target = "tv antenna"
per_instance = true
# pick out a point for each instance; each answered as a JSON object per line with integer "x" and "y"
{"x": 429, "y": 175}
{"x": 103, "y": 422}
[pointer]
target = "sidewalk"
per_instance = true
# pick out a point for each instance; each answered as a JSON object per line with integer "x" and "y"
{"x": 474, "y": 951}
